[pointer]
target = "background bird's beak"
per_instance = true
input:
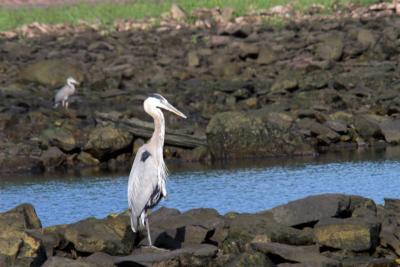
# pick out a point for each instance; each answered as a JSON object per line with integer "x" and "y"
{"x": 171, "y": 108}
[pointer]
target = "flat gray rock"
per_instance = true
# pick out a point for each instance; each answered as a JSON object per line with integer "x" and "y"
{"x": 57, "y": 261}
{"x": 101, "y": 259}
{"x": 391, "y": 131}
{"x": 311, "y": 209}
{"x": 307, "y": 255}
{"x": 149, "y": 256}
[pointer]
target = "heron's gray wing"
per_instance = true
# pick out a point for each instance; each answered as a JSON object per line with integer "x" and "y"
{"x": 61, "y": 94}
{"x": 143, "y": 186}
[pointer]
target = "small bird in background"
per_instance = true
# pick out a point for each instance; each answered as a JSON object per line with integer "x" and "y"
{"x": 147, "y": 180}
{"x": 65, "y": 92}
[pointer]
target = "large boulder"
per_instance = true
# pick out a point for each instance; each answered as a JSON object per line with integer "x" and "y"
{"x": 310, "y": 210}
{"x": 330, "y": 48}
{"x": 246, "y": 228}
{"x": 248, "y": 50}
{"x": 20, "y": 218}
{"x": 369, "y": 261}
{"x": 253, "y": 258}
{"x": 366, "y": 38}
{"x": 53, "y": 157}
{"x": 322, "y": 132}
{"x": 17, "y": 246}
{"x": 21, "y": 227}
{"x": 391, "y": 131}
{"x": 101, "y": 259}
{"x": 306, "y": 255}
{"x": 337, "y": 126}
{"x": 315, "y": 80}
{"x": 172, "y": 229}
{"x": 285, "y": 82}
{"x": 106, "y": 142}
{"x": 60, "y": 137}
{"x": 13, "y": 164}
{"x": 87, "y": 159}
{"x": 52, "y": 72}
{"x": 266, "y": 56}
{"x": 354, "y": 234}
{"x": 390, "y": 232}
{"x": 193, "y": 255}
{"x": 241, "y": 135}
{"x": 51, "y": 239}
{"x": 341, "y": 117}
{"x": 19, "y": 157}
{"x": 58, "y": 261}
{"x": 368, "y": 125}
{"x": 313, "y": 99}
{"x": 112, "y": 235}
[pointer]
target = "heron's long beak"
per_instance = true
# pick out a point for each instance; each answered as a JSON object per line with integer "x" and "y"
{"x": 171, "y": 108}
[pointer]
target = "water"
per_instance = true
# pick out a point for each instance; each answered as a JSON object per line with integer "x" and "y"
{"x": 243, "y": 187}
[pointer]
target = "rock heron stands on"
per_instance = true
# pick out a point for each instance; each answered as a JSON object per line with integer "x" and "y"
{"x": 146, "y": 186}
{"x": 65, "y": 92}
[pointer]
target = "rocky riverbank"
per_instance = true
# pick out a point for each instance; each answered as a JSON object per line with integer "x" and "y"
{"x": 321, "y": 230}
{"x": 249, "y": 89}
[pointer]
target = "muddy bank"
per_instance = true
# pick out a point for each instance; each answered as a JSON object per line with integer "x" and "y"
{"x": 321, "y": 230}
{"x": 249, "y": 89}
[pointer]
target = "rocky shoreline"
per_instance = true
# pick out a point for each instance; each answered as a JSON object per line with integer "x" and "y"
{"x": 322, "y": 230}
{"x": 249, "y": 89}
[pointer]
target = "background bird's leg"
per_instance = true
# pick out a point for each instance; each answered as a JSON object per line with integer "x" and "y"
{"x": 148, "y": 232}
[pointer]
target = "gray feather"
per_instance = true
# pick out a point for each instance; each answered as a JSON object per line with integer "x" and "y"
{"x": 63, "y": 94}
{"x": 145, "y": 189}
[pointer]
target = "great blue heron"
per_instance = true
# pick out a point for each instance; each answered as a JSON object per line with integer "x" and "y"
{"x": 146, "y": 186}
{"x": 65, "y": 92}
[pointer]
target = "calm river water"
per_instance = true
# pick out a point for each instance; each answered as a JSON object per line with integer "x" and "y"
{"x": 244, "y": 187}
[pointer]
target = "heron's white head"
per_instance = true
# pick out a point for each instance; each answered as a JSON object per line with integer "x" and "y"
{"x": 71, "y": 81}
{"x": 157, "y": 101}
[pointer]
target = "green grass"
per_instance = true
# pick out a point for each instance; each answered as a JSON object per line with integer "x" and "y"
{"x": 106, "y": 13}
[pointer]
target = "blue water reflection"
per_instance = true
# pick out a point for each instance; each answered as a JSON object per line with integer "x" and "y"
{"x": 243, "y": 189}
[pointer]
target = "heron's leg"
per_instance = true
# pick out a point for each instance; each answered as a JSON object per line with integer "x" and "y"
{"x": 66, "y": 104}
{"x": 148, "y": 232}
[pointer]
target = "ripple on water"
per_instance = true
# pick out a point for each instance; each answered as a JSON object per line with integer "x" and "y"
{"x": 60, "y": 201}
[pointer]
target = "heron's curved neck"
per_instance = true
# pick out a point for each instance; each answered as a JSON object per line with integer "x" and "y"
{"x": 71, "y": 85}
{"x": 159, "y": 132}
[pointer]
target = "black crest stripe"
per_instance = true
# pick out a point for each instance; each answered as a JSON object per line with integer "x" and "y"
{"x": 158, "y": 96}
